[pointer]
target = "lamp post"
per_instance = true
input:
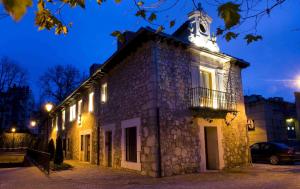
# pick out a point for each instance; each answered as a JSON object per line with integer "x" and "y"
{"x": 48, "y": 108}
{"x": 13, "y": 130}
{"x": 32, "y": 123}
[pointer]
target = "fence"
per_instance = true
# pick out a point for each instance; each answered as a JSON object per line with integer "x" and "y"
{"x": 40, "y": 159}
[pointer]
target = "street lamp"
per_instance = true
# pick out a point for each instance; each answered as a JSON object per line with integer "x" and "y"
{"x": 13, "y": 130}
{"x": 48, "y": 108}
{"x": 32, "y": 123}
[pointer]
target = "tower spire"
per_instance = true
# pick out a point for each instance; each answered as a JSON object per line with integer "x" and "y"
{"x": 199, "y": 29}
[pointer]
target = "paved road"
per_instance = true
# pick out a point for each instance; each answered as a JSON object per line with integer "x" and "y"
{"x": 85, "y": 176}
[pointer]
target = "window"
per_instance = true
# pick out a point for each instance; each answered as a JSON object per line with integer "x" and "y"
{"x": 79, "y": 112}
{"x": 52, "y": 122}
{"x": 205, "y": 79}
{"x": 56, "y": 123}
{"x": 63, "y": 119}
{"x": 104, "y": 93}
{"x": 91, "y": 102}
{"x": 73, "y": 112}
{"x": 255, "y": 147}
{"x": 131, "y": 144}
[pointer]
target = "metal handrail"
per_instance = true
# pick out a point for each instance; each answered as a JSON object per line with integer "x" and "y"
{"x": 41, "y": 159}
{"x": 207, "y": 98}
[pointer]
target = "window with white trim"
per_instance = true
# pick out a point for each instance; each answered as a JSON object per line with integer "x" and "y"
{"x": 73, "y": 112}
{"x": 63, "y": 119}
{"x": 104, "y": 92}
{"x": 56, "y": 122}
{"x": 91, "y": 102}
{"x": 131, "y": 144}
{"x": 79, "y": 112}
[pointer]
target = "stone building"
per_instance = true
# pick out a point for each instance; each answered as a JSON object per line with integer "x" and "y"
{"x": 273, "y": 119}
{"x": 161, "y": 105}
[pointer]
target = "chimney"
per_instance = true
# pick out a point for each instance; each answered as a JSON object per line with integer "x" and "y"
{"x": 128, "y": 36}
{"x": 94, "y": 67}
{"x": 297, "y": 102}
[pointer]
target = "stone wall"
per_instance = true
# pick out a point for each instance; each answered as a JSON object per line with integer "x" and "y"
{"x": 152, "y": 85}
{"x": 180, "y": 144}
{"x": 131, "y": 95}
{"x": 16, "y": 140}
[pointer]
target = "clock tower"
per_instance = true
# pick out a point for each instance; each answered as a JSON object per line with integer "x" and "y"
{"x": 197, "y": 30}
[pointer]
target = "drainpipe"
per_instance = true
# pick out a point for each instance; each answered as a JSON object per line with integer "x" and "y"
{"x": 159, "y": 166}
{"x": 98, "y": 145}
{"x": 158, "y": 144}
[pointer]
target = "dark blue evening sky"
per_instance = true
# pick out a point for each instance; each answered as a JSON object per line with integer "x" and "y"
{"x": 273, "y": 60}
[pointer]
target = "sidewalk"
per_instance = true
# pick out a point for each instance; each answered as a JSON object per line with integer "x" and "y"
{"x": 87, "y": 176}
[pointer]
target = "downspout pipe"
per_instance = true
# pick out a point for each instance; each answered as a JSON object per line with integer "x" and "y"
{"x": 159, "y": 161}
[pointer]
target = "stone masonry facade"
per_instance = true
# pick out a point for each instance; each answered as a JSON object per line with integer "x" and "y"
{"x": 148, "y": 88}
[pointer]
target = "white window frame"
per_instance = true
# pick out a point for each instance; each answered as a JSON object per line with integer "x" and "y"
{"x": 72, "y": 112}
{"x": 213, "y": 73}
{"x": 91, "y": 102}
{"x": 136, "y": 122}
{"x": 63, "y": 119}
{"x": 104, "y": 93}
{"x": 79, "y": 113}
{"x": 56, "y": 122}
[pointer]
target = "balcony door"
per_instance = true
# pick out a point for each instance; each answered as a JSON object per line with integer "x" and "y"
{"x": 206, "y": 92}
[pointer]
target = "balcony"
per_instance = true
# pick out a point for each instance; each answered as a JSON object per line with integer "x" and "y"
{"x": 213, "y": 100}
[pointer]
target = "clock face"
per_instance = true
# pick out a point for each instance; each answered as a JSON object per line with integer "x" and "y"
{"x": 202, "y": 28}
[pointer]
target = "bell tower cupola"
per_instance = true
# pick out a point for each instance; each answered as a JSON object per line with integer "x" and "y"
{"x": 199, "y": 26}
{"x": 197, "y": 30}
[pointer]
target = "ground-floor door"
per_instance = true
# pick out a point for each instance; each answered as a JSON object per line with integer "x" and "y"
{"x": 211, "y": 148}
{"x": 87, "y": 148}
{"x": 108, "y": 148}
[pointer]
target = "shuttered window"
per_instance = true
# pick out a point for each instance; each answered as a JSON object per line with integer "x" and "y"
{"x": 131, "y": 144}
{"x": 195, "y": 76}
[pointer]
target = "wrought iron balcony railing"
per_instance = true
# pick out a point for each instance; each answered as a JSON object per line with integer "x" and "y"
{"x": 207, "y": 98}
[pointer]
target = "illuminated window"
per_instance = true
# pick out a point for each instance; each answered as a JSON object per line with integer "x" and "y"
{"x": 56, "y": 123}
{"x": 79, "y": 112}
{"x": 63, "y": 119}
{"x": 104, "y": 93}
{"x": 73, "y": 112}
{"x": 91, "y": 102}
{"x": 52, "y": 123}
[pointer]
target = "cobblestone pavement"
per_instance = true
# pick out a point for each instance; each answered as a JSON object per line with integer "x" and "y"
{"x": 87, "y": 176}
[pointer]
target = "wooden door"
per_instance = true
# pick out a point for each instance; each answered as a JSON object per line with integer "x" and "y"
{"x": 108, "y": 148}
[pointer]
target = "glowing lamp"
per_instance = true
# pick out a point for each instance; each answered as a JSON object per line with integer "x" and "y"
{"x": 48, "y": 107}
{"x": 13, "y": 130}
{"x": 290, "y": 120}
{"x": 33, "y": 123}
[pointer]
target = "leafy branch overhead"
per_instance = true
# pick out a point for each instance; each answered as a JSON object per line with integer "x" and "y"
{"x": 233, "y": 14}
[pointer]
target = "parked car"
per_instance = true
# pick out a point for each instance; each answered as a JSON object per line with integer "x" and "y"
{"x": 272, "y": 152}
